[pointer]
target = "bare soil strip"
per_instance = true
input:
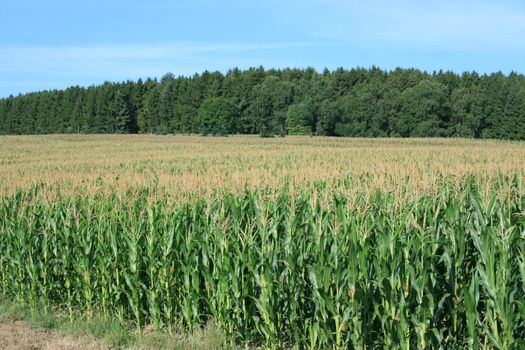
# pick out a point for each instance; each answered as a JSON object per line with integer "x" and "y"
{"x": 18, "y": 335}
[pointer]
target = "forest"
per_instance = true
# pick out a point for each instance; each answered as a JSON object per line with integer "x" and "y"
{"x": 354, "y": 102}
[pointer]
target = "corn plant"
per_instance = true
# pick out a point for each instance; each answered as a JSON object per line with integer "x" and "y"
{"x": 317, "y": 267}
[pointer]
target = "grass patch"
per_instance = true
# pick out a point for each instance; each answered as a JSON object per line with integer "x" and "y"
{"x": 112, "y": 332}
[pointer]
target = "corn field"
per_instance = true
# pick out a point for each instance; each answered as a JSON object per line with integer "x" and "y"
{"x": 198, "y": 166}
{"x": 313, "y": 268}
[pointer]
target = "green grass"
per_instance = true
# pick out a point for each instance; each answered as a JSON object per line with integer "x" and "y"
{"x": 112, "y": 332}
{"x": 306, "y": 269}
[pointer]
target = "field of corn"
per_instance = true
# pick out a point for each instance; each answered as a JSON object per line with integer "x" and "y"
{"x": 307, "y": 243}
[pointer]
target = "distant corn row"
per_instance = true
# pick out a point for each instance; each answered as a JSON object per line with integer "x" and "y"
{"x": 302, "y": 270}
{"x": 187, "y": 166}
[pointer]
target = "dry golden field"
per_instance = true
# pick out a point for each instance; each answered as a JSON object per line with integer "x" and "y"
{"x": 182, "y": 165}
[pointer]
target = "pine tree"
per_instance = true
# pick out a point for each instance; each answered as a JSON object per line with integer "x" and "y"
{"x": 122, "y": 115}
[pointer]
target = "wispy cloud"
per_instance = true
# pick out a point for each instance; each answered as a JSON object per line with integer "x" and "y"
{"x": 480, "y": 25}
{"x": 482, "y": 35}
{"x": 27, "y": 57}
{"x": 447, "y": 24}
{"x": 61, "y": 66}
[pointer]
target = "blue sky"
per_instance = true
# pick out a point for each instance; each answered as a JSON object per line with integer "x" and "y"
{"x": 57, "y": 43}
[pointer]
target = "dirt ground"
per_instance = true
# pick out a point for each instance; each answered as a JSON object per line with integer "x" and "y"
{"x": 15, "y": 335}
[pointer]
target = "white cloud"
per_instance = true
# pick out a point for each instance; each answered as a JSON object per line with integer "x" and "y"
{"x": 469, "y": 25}
{"x": 483, "y": 26}
{"x": 35, "y": 54}
{"x": 116, "y": 62}
{"x": 27, "y": 68}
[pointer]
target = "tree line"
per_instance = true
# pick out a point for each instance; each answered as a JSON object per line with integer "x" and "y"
{"x": 356, "y": 102}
